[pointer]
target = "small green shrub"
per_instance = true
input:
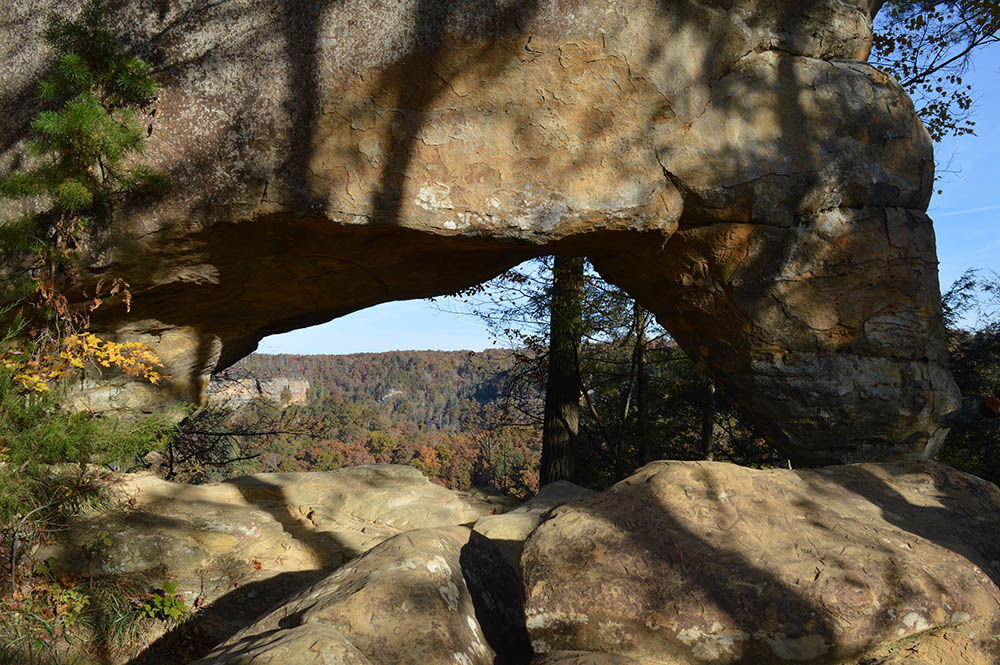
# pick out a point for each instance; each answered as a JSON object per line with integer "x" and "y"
{"x": 115, "y": 621}
{"x": 49, "y": 469}
{"x": 165, "y": 604}
{"x": 80, "y": 162}
{"x": 80, "y": 157}
{"x": 83, "y": 139}
{"x": 38, "y": 438}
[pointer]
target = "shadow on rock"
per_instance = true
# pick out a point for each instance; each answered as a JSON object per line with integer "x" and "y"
{"x": 700, "y": 562}
{"x": 216, "y": 623}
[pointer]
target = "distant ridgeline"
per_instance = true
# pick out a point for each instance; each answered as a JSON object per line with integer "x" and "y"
{"x": 440, "y": 411}
{"x": 432, "y": 388}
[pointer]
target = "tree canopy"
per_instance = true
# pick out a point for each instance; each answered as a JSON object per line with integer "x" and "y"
{"x": 929, "y": 46}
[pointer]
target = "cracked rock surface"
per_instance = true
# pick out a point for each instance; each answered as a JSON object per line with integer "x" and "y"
{"x": 426, "y": 597}
{"x": 737, "y": 166}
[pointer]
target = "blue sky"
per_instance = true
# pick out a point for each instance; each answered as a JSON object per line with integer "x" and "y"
{"x": 966, "y": 216}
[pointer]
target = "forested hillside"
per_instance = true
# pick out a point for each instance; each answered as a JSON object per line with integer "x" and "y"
{"x": 441, "y": 411}
{"x": 429, "y": 388}
{"x": 463, "y": 418}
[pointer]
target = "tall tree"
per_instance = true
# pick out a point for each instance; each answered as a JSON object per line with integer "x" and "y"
{"x": 640, "y": 398}
{"x": 561, "y": 425}
{"x": 708, "y": 421}
{"x": 641, "y": 319}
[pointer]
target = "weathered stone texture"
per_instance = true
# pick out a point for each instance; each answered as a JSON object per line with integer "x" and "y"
{"x": 235, "y": 392}
{"x": 974, "y": 643}
{"x": 582, "y": 658}
{"x": 509, "y": 530}
{"x": 683, "y": 563}
{"x": 207, "y": 537}
{"x": 694, "y": 563}
{"x": 826, "y": 323}
{"x": 427, "y": 597}
{"x": 736, "y": 165}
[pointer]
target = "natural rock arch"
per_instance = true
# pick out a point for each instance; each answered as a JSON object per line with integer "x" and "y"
{"x": 736, "y": 166}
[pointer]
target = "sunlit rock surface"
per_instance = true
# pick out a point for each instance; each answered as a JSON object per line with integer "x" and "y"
{"x": 510, "y": 529}
{"x": 235, "y": 392}
{"x": 428, "y": 597}
{"x": 710, "y": 563}
{"x": 214, "y": 538}
{"x": 735, "y": 165}
{"x": 683, "y": 563}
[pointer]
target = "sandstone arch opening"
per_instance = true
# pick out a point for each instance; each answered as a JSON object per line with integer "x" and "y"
{"x": 750, "y": 179}
{"x": 770, "y": 337}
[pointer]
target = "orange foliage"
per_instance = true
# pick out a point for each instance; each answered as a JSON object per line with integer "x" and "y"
{"x": 427, "y": 461}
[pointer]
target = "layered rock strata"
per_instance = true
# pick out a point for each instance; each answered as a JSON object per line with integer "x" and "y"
{"x": 735, "y": 165}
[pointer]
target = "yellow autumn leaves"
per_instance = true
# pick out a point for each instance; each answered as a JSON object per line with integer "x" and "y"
{"x": 38, "y": 373}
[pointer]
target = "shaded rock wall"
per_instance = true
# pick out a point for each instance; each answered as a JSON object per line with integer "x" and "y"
{"x": 735, "y": 165}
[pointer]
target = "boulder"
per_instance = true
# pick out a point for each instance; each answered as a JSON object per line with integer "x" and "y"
{"x": 737, "y": 166}
{"x": 427, "y": 597}
{"x": 309, "y": 644}
{"x": 215, "y": 537}
{"x": 509, "y": 530}
{"x": 393, "y": 495}
{"x": 710, "y": 563}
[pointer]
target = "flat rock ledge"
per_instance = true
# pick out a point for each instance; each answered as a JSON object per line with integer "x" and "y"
{"x": 216, "y": 537}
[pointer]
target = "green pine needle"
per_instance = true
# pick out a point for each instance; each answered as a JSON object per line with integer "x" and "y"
{"x": 73, "y": 69}
{"x": 73, "y": 195}
{"x": 83, "y": 139}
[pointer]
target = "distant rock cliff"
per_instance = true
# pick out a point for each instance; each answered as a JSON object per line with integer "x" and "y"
{"x": 224, "y": 391}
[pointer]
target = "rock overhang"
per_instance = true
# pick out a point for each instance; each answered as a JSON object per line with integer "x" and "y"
{"x": 735, "y": 166}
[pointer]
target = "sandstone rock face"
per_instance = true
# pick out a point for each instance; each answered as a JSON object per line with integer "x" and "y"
{"x": 509, "y": 530}
{"x": 735, "y": 165}
{"x": 860, "y": 345}
{"x": 975, "y": 643}
{"x": 309, "y": 644}
{"x": 426, "y": 597}
{"x": 686, "y": 563}
{"x": 207, "y": 537}
{"x": 237, "y": 392}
